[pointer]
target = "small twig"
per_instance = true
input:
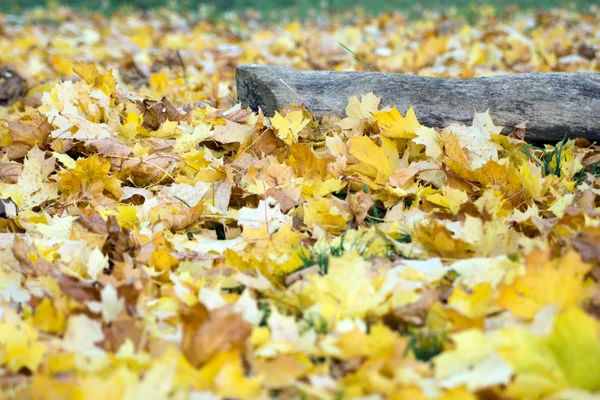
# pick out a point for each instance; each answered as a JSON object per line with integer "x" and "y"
{"x": 182, "y": 67}
{"x": 300, "y": 97}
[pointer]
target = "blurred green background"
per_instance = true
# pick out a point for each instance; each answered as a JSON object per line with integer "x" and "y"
{"x": 301, "y": 8}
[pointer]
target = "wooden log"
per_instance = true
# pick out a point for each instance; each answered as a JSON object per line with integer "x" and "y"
{"x": 554, "y": 104}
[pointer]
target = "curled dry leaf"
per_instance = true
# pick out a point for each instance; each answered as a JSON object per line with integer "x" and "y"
{"x": 32, "y": 264}
{"x": 12, "y": 86}
{"x": 30, "y": 131}
{"x": 155, "y": 113}
{"x": 413, "y": 314}
{"x": 205, "y": 333}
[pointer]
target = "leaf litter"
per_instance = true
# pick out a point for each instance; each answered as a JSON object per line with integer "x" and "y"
{"x": 159, "y": 241}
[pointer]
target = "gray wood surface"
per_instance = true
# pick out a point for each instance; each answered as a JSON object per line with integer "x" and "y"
{"x": 554, "y": 104}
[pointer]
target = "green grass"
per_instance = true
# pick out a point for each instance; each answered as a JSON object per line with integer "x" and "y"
{"x": 297, "y": 8}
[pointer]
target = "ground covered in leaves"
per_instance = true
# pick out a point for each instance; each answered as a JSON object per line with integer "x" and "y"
{"x": 159, "y": 241}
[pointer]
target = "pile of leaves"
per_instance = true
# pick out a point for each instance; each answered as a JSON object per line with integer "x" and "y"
{"x": 160, "y": 241}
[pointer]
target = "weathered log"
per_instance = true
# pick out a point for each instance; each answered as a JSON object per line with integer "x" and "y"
{"x": 554, "y": 104}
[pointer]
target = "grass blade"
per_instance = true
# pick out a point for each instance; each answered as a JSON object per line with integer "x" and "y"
{"x": 356, "y": 55}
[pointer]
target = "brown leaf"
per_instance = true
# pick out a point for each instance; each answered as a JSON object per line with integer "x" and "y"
{"x": 32, "y": 264}
{"x": 9, "y": 172}
{"x": 79, "y": 291}
{"x": 240, "y": 116}
{"x": 155, "y": 113}
{"x": 222, "y": 195}
{"x": 288, "y": 198}
{"x": 301, "y": 275}
{"x": 110, "y": 147}
{"x": 149, "y": 171}
{"x": 264, "y": 141}
{"x": 232, "y": 133}
{"x": 413, "y": 314}
{"x": 119, "y": 241}
{"x": 30, "y": 131}
{"x": 134, "y": 73}
{"x": 586, "y": 51}
{"x": 401, "y": 176}
{"x": 519, "y": 131}
{"x": 119, "y": 331}
{"x": 360, "y": 203}
{"x": 12, "y": 86}
{"x": 587, "y": 243}
{"x": 306, "y": 162}
{"x": 207, "y": 333}
{"x": 92, "y": 222}
{"x": 179, "y": 218}
{"x": 130, "y": 292}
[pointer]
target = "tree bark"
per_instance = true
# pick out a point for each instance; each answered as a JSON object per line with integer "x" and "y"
{"x": 554, "y": 104}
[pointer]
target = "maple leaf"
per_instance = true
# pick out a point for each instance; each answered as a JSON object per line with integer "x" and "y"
{"x": 564, "y": 359}
{"x": 110, "y": 306}
{"x": 546, "y": 281}
{"x": 49, "y": 318}
{"x": 358, "y": 111}
{"x": 20, "y": 345}
{"x": 432, "y": 141}
{"x": 207, "y": 333}
{"x": 81, "y": 337}
{"x": 474, "y": 363}
{"x": 267, "y": 214}
{"x": 232, "y": 132}
{"x": 477, "y": 139}
{"x": 326, "y": 214}
{"x": 157, "y": 113}
{"x": 306, "y": 163}
{"x": 368, "y": 152}
{"x": 394, "y": 125}
{"x": 90, "y": 74}
{"x": 90, "y": 180}
{"x": 32, "y": 187}
{"x": 345, "y": 291}
{"x": 289, "y": 126}
{"x": 33, "y": 130}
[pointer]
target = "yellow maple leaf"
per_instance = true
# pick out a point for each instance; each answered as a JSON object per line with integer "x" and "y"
{"x": 368, "y": 152}
{"x": 346, "y": 291}
{"x": 326, "y": 214}
{"x": 282, "y": 370}
{"x": 20, "y": 346}
{"x": 451, "y": 199}
{"x": 546, "y": 281}
{"x": 289, "y": 126}
{"x": 107, "y": 82}
{"x": 225, "y": 374}
{"x": 90, "y": 175}
{"x": 474, "y": 363}
{"x": 358, "y": 111}
{"x": 48, "y": 317}
{"x": 394, "y": 125}
{"x": 432, "y": 141}
{"x": 32, "y": 187}
{"x": 278, "y": 246}
{"x": 477, "y": 139}
{"x": 531, "y": 178}
{"x": 568, "y": 358}
{"x": 474, "y": 305}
